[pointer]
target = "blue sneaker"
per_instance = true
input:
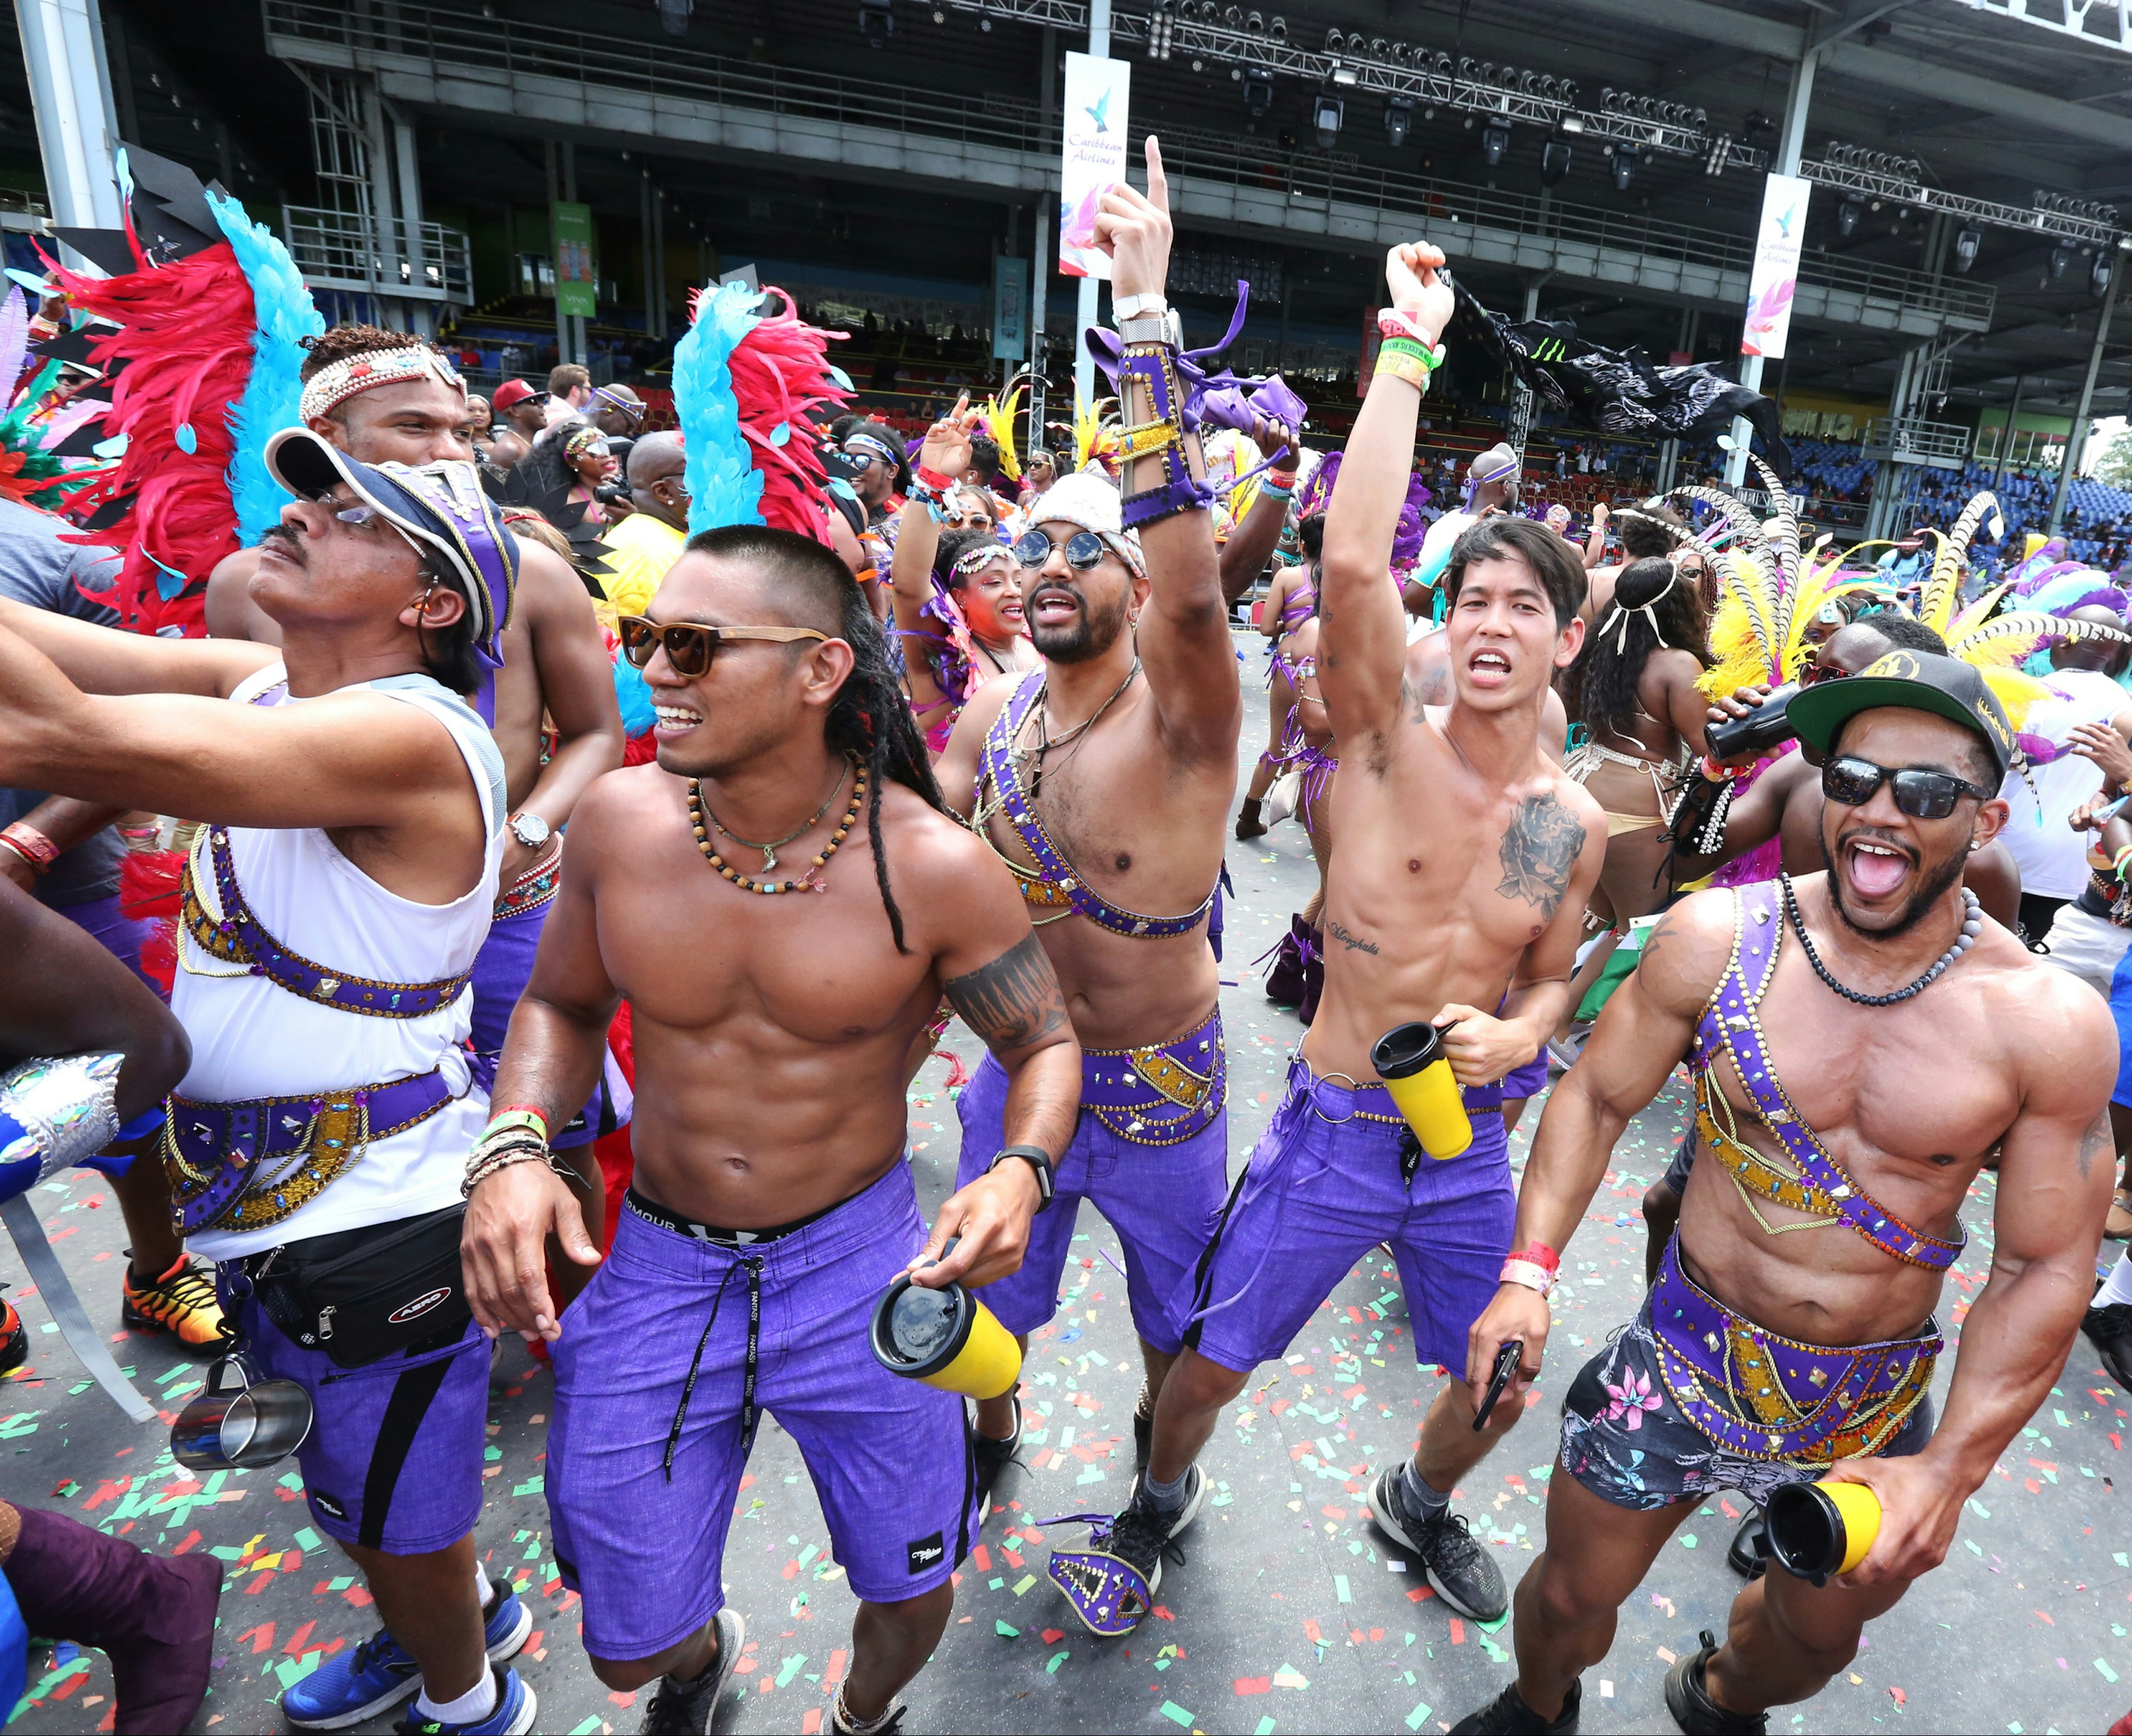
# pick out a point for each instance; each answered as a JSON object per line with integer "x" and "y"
{"x": 379, "y": 1673}
{"x": 515, "y": 1708}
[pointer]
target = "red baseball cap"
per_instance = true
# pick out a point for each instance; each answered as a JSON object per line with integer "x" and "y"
{"x": 512, "y": 393}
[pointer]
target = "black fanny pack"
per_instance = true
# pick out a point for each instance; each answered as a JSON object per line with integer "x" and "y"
{"x": 363, "y": 1295}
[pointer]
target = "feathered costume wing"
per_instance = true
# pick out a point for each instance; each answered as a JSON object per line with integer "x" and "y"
{"x": 1951, "y": 564}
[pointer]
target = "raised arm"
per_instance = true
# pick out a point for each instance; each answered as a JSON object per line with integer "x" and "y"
{"x": 946, "y": 452}
{"x": 1252, "y": 543}
{"x": 100, "y": 660}
{"x": 1642, "y": 1035}
{"x": 552, "y": 1056}
{"x": 577, "y": 682}
{"x": 2057, "y": 1166}
{"x": 1364, "y": 640}
{"x": 1183, "y": 633}
{"x": 1594, "y": 541}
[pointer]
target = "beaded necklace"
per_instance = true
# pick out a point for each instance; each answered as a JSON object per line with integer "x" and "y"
{"x": 1972, "y": 925}
{"x": 812, "y": 880}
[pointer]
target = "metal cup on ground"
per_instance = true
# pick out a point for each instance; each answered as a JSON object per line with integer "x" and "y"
{"x": 1820, "y": 1529}
{"x": 946, "y": 1338}
{"x": 1409, "y": 1059}
{"x": 246, "y": 1426}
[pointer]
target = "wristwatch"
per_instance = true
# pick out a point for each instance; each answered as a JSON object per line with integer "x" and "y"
{"x": 1153, "y": 328}
{"x": 1130, "y": 307}
{"x": 1039, "y": 1160}
{"x": 529, "y": 829}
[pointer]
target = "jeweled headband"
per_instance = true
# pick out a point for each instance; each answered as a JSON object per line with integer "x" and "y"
{"x": 334, "y": 384}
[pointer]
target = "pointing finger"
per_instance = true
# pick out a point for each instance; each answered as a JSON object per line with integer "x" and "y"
{"x": 1158, "y": 185}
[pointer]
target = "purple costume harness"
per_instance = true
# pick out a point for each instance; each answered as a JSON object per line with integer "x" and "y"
{"x": 1781, "y": 1399}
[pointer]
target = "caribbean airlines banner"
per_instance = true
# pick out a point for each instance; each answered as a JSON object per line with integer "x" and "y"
{"x": 1091, "y": 156}
{"x": 1774, "y": 279}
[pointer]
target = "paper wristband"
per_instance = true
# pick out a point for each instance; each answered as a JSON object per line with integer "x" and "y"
{"x": 1524, "y": 1272}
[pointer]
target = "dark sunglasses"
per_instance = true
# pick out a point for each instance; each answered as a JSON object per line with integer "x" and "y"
{"x": 861, "y": 460}
{"x": 1814, "y": 673}
{"x": 689, "y": 645}
{"x": 1083, "y": 550}
{"x": 1922, "y": 795}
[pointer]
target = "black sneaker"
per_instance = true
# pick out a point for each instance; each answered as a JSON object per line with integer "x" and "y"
{"x": 686, "y": 1708}
{"x": 1750, "y": 1552}
{"x": 1112, "y": 1584}
{"x": 1464, "y": 1575}
{"x": 992, "y": 1459}
{"x": 2108, "y": 1329}
{"x": 1143, "y": 1443}
{"x": 1692, "y": 1708}
{"x": 840, "y": 1718}
{"x": 1507, "y": 1715}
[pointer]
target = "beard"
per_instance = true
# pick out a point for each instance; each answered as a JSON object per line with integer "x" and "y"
{"x": 1938, "y": 877}
{"x": 1092, "y": 632}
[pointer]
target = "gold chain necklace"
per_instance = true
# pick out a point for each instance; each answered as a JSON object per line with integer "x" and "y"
{"x": 812, "y": 880}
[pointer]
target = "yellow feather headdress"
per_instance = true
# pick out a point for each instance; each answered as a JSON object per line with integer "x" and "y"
{"x": 1094, "y": 436}
{"x": 997, "y": 420}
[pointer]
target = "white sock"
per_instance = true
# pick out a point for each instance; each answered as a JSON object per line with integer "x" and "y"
{"x": 483, "y": 1591}
{"x": 2117, "y": 1287}
{"x": 471, "y": 1707}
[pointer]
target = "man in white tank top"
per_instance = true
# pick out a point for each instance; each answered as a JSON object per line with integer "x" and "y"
{"x": 353, "y": 807}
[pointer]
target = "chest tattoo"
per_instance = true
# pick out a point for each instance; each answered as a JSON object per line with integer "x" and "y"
{"x": 1541, "y": 846}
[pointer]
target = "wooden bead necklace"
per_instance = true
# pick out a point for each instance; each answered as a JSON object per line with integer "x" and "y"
{"x": 812, "y": 880}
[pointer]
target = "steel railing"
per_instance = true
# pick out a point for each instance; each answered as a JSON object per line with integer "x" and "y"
{"x": 1910, "y": 440}
{"x": 446, "y": 43}
{"x": 340, "y": 250}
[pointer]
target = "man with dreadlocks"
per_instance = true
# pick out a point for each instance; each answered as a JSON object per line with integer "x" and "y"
{"x": 770, "y": 1206}
{"x": 1103, "y": 780}
{"x": 383, "y": 396}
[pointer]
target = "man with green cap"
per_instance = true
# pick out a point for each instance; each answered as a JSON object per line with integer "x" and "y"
{"x": 1859, "y": 1041}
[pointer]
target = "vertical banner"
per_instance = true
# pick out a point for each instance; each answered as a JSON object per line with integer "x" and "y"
{"x": 1775, "y": 276}
{"x": 1366, "y": 367}
{"x": 1009, "y": 309}
{"x": 574, "y": 259}
{"x": 1091, "y": 156}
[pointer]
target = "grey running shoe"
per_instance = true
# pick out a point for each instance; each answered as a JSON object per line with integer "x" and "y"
{"x": 686, "y": 1708}
{"x": 1464, "y": 1575}
{"x": 1111, "y": 1584}
{"x": 1507, "y": 1715}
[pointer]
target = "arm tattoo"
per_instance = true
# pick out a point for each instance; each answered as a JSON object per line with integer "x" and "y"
{"x": 2097, "y": 1138}
{"x": 1013, "y": 1001}
{"x": 1427, "y": 692}
{"x": 1657, "y": 939}
{"x": 1541, "y": 846}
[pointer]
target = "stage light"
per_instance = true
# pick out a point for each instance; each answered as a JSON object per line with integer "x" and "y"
{"x": 1399, "y": 120}
{"x": 1553, "y": 162}
{"x": 1277, "y": 28}
{"x": 1495, "y": 142}
{"x": 877, "y": 21}
{"x": 1848, "y": 215}
{"x": 1326, "y": 115}
{"x": 1966, "y": 242}
{"x": 1258, "y": 92}
{"x": 1625, "y": 158}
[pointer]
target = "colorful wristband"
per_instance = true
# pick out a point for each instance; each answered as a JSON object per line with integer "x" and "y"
{"x": 932, "y": 479}
{"x": 1397, "y": 365}
{"x": 1540, "y": 1254}
{"x": 1533, "y": 1277}
{"x": 2118, "y": 862}
{"x": 1405, "y": 323}
{"x": 517, "y": 1115}
{"x": 31, "y": 845}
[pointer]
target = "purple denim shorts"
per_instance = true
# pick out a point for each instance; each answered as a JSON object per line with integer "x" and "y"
{"x": 1323, "y": 1187}
{"x": 1162, "y": 1200}
{"x": 889, "y": 1458}
{"x": 501, "y": 969}
{"x": 1528, "y": 1081}
{"x": 394, "y": 1458}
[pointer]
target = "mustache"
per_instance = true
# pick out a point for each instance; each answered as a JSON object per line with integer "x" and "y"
{"x": 292, "y": 545}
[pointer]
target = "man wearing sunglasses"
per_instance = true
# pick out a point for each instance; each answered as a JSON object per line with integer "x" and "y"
{"x": 381, "y": 397}
{"x": 1104, "y": 781}
{"x": 336, "y": 901}
{"x": 784, "y": 899}
{"x": 1859, "y": 1042}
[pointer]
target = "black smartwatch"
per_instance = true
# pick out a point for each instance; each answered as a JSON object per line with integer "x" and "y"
{"x": 1039, "y": 1160}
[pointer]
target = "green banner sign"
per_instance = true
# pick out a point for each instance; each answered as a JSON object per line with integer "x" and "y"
{"x": 574, "y": 259}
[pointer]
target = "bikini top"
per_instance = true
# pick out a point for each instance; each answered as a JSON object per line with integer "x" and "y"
{"x": 1055, "y": 886}
{"x": 1731, "y": 1021}
{"x": 1298, "y": 604}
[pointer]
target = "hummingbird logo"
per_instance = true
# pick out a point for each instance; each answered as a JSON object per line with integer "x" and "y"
{"x": 1784, "y": 223}
{"x": 1099, "y": 112}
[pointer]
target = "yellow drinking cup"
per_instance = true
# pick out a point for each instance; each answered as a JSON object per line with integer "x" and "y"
{"x": 1818, "y": 1529}
{"x": 1409, "y": 1059}
{"x": 946, "y": 1338}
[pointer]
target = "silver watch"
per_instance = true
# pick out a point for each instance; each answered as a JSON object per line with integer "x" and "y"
{"x": 1163, "y": 327}
{"x": 1131, "y": 307}
{"x": 529, "y": 829}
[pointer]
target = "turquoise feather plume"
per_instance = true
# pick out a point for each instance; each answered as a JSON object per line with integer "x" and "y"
{"x": 724, "y": 486}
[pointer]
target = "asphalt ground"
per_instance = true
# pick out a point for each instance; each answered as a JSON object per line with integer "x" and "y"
{"x": 1291, "y": 1613}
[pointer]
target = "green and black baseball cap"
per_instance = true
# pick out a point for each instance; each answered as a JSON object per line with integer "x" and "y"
{"x": 1919, "y": 681}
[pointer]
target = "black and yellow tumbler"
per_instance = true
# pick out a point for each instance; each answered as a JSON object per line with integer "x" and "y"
{"x": 1820, "y": 1529}
{"x": 946, "y": 1338}
{"x": 1409, "y": 1059}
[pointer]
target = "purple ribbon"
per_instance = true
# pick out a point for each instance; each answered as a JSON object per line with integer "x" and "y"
{"x": 1108, "y": 350}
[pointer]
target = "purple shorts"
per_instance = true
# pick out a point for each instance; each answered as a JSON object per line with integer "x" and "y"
{"x": 1528, "y": 1081}
{"x": 1162, "y": 1199}
{"x": 501, "y": 969}
{"x": 1323, "y": 1187}
{"x": 394, "y": 1458}
{"x": 889, "y": 1458}
{"x": 120, "y": 935}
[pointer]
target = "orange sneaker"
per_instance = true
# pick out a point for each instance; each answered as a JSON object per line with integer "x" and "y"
{"x": 181, "y": 1302}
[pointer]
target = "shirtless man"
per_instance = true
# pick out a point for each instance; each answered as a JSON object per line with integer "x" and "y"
{"x": 1458, "y": 887}
{"x": 770, "y": 1206}
{"x": 555, "y": 672}
{"x": 1866, "y": 1099}
{"x": 1104, "y": 781}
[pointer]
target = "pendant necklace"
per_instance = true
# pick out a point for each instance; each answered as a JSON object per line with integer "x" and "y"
{"x": 811, "y": 881}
